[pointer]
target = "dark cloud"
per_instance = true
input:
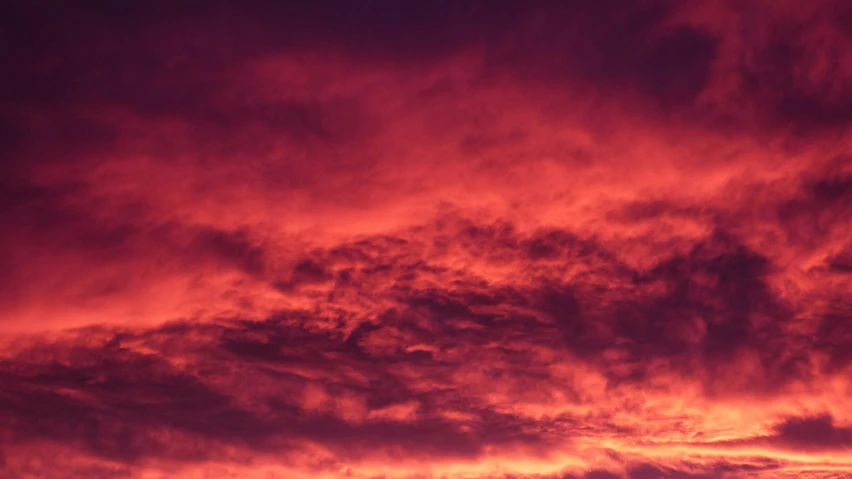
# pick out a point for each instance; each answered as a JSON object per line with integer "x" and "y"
{"x": 163, "y": 60}
{"x": 818, "y": 432}
{"x": 601, "y": 475}
{"x": 722, "y": 282}
{"x": 822, "y": 205}
{"x": 113, "y": 406}
{"x": 154, "y": 74}
{"x": 788, "y": 73}
{"x": 834, "y": 335}
{"x": 604, "y": 44}
{"x": 110, "y": 400}
{"x": 235, "y": 248}
{"x": 305, "y": 272}
{"x": 677, "y": 65}
{"x": 113, "y": 402}
{"x": 750, "y": 466}
{"x": 810, "y": 433}
{"x": 706, "y": 306}
{"x": 648, "y": 471}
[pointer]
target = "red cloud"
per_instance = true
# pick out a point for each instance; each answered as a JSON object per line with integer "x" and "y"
{"x": 466, "y": 239}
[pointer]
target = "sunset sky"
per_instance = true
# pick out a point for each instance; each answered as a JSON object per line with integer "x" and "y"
{"x": 405, "y": 239}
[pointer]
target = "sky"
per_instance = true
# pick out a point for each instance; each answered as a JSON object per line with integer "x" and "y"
{"x": 379, "y": 239}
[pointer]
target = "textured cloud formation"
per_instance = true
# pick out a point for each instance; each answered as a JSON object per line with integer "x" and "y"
{"x": 376, "y": 239}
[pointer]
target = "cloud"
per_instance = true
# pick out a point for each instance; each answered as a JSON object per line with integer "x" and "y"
{"x": 648, "y": 471}
{"x": 313, "y": 382}
{"x": 813, "y": 432}
{"x": 476, "y": 239}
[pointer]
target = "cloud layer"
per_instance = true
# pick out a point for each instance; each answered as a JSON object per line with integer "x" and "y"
{"x": 409, "y": 240}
